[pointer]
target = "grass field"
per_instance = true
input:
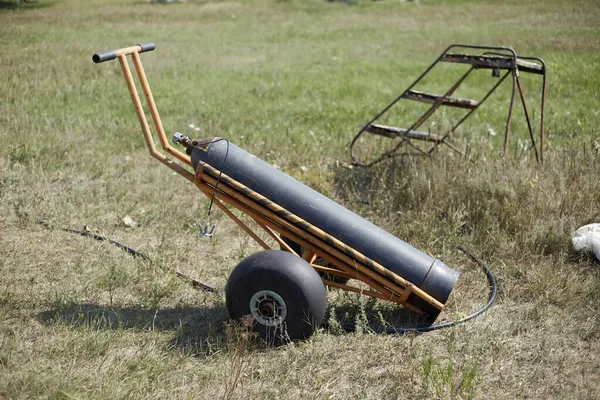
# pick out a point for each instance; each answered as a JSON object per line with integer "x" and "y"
{"x": 290, "y": 81}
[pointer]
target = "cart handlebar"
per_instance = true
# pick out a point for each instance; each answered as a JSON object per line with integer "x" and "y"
{"x": 112, "y": 54}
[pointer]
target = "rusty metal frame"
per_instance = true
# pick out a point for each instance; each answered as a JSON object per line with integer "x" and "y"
{"x": 272, "y": 218}
{"x": 504, "y": 56}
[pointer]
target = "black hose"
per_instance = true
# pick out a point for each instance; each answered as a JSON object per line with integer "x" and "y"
{"x": 493, "y": 286}
{"x": 195, "y": 283}
{"x": 89, "y": 234}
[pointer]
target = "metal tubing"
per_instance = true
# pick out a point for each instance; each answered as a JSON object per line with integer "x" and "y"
{"x": 332, "y": 271}
{"x": 137, "y": 104}
{"x": 438, "y": 102}
{"x": 543, "y": 105}
{"x": 423, "y": 118}
{"x": 512, "y": 54}
{"x": 154, "y": 112}
{"x": 510, "y": 110}
{"x": 354, "y": 289}
{"x": 309, "y": 256}
{"x": 435, "y": 105}
{"x": 242, "y": 225}
{"x": 287, "y": 248}
{"x": 389, "y": 106}
{"x": 389, "y": 296}
{"x": 506, "y": 53}
{"x": 542, "y": 119}
{"x": 277, "y": 238}
{"x": 527, "y": 119}
{"x": 455, "y": 127}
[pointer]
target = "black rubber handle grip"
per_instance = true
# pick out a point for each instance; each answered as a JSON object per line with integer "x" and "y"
{"x": 104, "y": 56}
{"x": 147, "y": 47}
{"x": 112, "y": 54}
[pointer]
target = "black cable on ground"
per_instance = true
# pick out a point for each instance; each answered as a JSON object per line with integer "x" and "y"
{"x": 195, "y": 283}
{"x": 100, "y": 238}
{"x": 493, "y": 286}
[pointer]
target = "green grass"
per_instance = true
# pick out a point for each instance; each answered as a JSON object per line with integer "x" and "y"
{"x": 290, "y": 81}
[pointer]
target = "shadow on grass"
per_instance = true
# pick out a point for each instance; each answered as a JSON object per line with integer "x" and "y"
{"x": 23, "y": 5}
{"x": 198, "y": 330}
{"x": 202, "y": 330}
{"x": 350, "y": 318}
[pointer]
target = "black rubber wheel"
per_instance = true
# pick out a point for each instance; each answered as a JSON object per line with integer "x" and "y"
{"x": 283, "y": 293}
{"x": 319, "y": 261}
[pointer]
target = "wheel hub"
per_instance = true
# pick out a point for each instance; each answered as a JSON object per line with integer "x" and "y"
{"x": 268, "y": 308}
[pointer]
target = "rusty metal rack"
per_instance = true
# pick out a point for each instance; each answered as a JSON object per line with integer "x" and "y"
{"x": 496, "y": 59}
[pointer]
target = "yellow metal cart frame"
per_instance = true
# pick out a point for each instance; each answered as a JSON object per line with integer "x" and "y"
{"x": 275, "y": 220}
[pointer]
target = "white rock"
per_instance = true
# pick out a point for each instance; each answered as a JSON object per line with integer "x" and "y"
{"x": 587, "y": 238}
{"x": 128, "y": 221}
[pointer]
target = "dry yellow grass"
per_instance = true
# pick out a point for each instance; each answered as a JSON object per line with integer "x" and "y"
{"x": 82, "y": 319}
